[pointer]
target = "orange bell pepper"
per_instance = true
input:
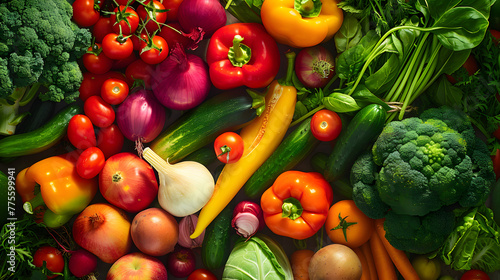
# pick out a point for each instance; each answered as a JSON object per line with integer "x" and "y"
{"x": 297, "y": 204}
{"x": 62, "y": 191}
{"x": 301, "y": 24}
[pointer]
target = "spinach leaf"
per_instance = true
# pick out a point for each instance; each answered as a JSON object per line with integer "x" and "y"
{"x": 349, "y": 34}
{"x": 442, "y": 92}
{"x": 350, "y": 62}
{"x": 384, "y": 77}
{"x": 450, "y": 61}
{"x": 364, "y": 97}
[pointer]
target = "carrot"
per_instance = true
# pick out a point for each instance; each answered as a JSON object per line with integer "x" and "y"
{"x": 300, "y": 263}
{"x": 365, "y": 275}
{"x": 365, "y": 248}
{"x": 398, "y": 257}
{"x": 383, "y": 263}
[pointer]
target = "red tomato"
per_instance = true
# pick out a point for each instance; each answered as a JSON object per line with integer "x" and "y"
{"x": 99, "y": 111}
{"x": 326, "y": 125}
{"x": 228, "y": 147}
{"x": 470, "y": 65}
{"x": 155, "y": 51}
{"x": 137, "y": 39}
{"x": 172, "y": 6}
{"x": 126, "y": 20}
{"x": 96, "y": 61}
{"x": 140, "y": 70}
{"x": 84, "y": 13}
{"x": 123, "y": 63}
{"x": 173, "y": 37}
{"x": 90, "y": 163}
{"x": 92, "y": 83}
{"x": 117, "y": 47}
{"x": 52, "y": 257}
{"x": 114, "y": 91}
{"x": 496, "y": 36}
{"x": 81, "y": 132}
{"x": 152, "y": 7}
{"x": 110, "y": 140}
{"x": 475, "y": 274}
{"x": 101, "y": 28}
{"x": 202, "y": 274}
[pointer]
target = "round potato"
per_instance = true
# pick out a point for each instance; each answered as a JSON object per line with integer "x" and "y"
{"x": 335, "y": 261}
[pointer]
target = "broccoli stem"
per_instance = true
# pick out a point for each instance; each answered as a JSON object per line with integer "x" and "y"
{"x": 9, "y": 108}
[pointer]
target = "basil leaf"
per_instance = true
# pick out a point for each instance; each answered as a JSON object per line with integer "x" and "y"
{"x": 340, "y": 103}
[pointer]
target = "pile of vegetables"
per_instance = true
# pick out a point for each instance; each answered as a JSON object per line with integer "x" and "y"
{"x": 274, "y": 139}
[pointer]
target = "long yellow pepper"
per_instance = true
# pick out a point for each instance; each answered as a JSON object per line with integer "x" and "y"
{"x": 261, "y": 137}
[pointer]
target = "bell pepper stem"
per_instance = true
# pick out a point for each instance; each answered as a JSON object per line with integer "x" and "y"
{"x": 29, "y": 206}
{"x": 239, "y": 54}
{"x": 258, "y": 101}
{"x": 291, "y": 208}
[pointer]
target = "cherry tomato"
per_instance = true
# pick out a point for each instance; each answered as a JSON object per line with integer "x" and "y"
{"x": 155, "y": 51}
{"x": 470, "y": 65}
{"x": 137, "y": 39}
{"x": 475, "y": 274}
{"x": 52, "y": 257}
{"x": 202, "y": 274}
{"x": 123, "y": 63}
{"x": 114, "y": 91}
{"x": 154, "y": 8}
{"x": 90, "y": 163}
{"x": 84, "y": 13}
{"x": 140, "y": 71}
{"x": 110, "y": 140}
{"x": 228, "y": 147}
{"x": 326, "y": 125}
{"x": 172, "y": 37}
{"x": 117, "y": 47}
{"x": 99, "y": 111}
{"x": 81, "y": 132}
{"x": 172, "y": 6}
{"x": 126, "y": 20}
{"x": 96, "y": 61}
{"x": 101, "y": 28}
{"x": 92, "y": 83}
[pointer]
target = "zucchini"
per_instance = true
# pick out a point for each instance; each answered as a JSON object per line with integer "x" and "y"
{"x": 200, "y": 126}
{"x": 293, "y": 149}
{"x": 204, "y": 155}
{"x": 39, "y": 139}
{"x": 363, "y": 129}
{"x": 39, "y": 114}
{"x": 216, "y": 244}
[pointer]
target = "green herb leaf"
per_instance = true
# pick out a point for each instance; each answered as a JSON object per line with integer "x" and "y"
{"x": 340, "y": 103}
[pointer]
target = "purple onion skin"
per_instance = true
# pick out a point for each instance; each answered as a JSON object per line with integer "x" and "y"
{"x": 209, "y": 15}
{"x": 141, "y": 117}
{"x": 245, "y": 208}
{"x": 305, "y": 63}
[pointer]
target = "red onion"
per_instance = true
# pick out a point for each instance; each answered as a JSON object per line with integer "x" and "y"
{"x": 209, "y": 15}
{"x": 140, "y": 117}
{"x": 247, "y": 218}
{"x": 181, "y": 262}
{"x": 314, "y": 66}
{"x": 186, "y": 228}
{"x": 181, "y": 81}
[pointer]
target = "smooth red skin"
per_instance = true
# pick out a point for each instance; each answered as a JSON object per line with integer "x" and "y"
{"x": 84, "y": 13}
{"x": 154, "y": 56}
{"x": 470, "y": 65}
{"x": 474, "y": 274}
{"x": 334, "y": 125}
{"x": 114, "y": 49}
{"x": 137, "y": 266}
{"x": 202, "y": 274}
{"x": 101, "y": 28}
{"x": 90, "y": 163}
{"x": 258, "y": 72}
{"x": 173, "y": 7}
{"x": 81, "y": 132}
{"x": 108, "y": 93}
{"x": 133, "y": 20}
{"x": 124, "y": 63}
{"x": 99, "y": 111}
{"x": 160, "y": 17}
{"x": 110, "y": 140}
{"x": 172, "y": 37}
{"x": 53, "y": 258}
{"x": 181, "y": 262}
{"x": 92, "y": 83}
{"x": 97, "y": 64}
{"x": 82, "y": 263}
{"x": 135, "y": 189}
{"x": 140, "y": 70}
{"x": 232, "y": 140}
{"x": 149, "y": 229}
{"x": 136, "y": 41}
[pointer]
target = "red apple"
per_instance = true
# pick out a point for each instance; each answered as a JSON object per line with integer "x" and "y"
{"x": 137, "y": 266}
{"x": 128, "y": 182}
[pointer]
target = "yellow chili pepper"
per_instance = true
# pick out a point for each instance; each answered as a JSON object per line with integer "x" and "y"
{"x": 260, "y": 138}
{"x": 301, "y": 24}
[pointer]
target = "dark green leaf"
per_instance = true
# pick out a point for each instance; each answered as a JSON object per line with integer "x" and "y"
{"x": 450, "y": 61}
{"x": 340, "y": 103}
{"x": 300, "y": 110}
{"x": 349, "y": 34}
{"x": 364, "y": 97}
{"x": 442, "y": 92}
{"x": 437, "y": 8}
{"x": 351, "y": 61}
{"x": 385, "y": 76}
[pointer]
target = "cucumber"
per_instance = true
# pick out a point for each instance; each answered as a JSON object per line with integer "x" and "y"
{"x": 200, "y": 126}
{"x": 293, "y": 149}
{"x": 204, "y": 155}
{"x": 40, "y": 113}
{"x": 216, "y": 244}
{"x": 363, "y": 129}
{"x": 341, "y": 186}
{"x": 39, "y": 139}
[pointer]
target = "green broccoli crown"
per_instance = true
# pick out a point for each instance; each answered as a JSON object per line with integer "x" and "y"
{"x": 35, "y": 35}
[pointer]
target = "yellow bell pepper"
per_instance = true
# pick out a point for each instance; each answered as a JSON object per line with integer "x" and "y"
{"x": 301, "y": 24}
{"x": 260, "y": 138}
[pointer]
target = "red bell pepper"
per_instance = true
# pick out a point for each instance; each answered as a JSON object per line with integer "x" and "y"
{"x": 242, "y": 54}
